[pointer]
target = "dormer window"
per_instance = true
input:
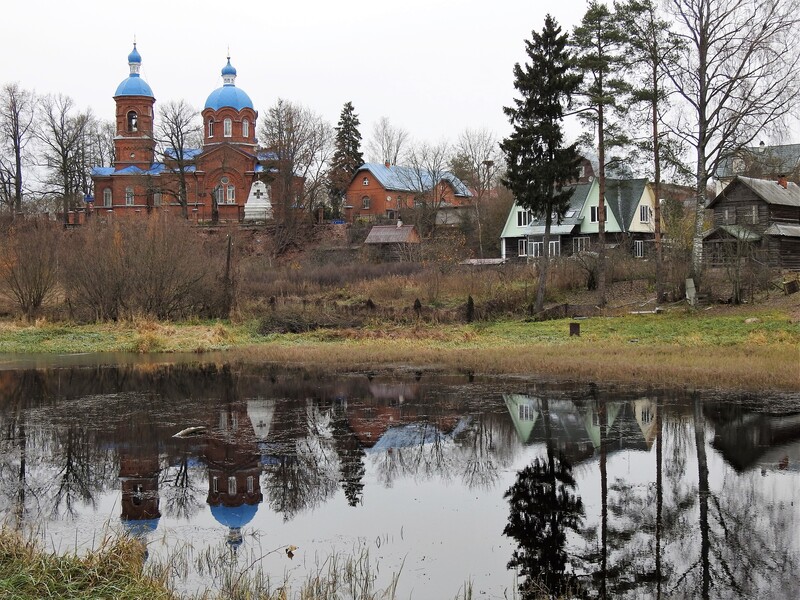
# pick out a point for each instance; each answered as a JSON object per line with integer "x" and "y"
{"x": 365, "y": 181}
{"x": 227, "y": 128}
{"x": 133, "y": 121}
{"x": 211, "y": 128}
{"x": 245, "y": 128}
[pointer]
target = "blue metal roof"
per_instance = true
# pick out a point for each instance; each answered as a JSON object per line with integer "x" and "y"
{"x": 134, "y": 86}
{"x": 267, "y": 155}
{"x": 228, "y": 96}
{"x": 234, "y": 516}
{"x": 155, "y": 169}
{"x": 188, "y": 153}
{"x": 409, "y": 179}
{"x": 134, "y": 56}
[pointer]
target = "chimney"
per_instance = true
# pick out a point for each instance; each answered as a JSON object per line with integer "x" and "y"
{"x": 387, "y": 164}
{"x": 782, "y": 181}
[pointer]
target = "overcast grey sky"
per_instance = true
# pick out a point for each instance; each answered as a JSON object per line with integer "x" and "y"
{"x": 433, "y": 67}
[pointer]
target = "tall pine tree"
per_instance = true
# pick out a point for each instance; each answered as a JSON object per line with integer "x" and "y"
{"x": 540, "y": 167}
{"x": 347, "y": 157}
{"x": 598, "y": 40}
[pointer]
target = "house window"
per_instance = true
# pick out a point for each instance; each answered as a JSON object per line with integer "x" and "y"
{"x": 365, "y": 181}
{"x": 535, "y": 249}
{"x": 230, "y": 194}
{"x": 580, "y": 244}
{"x": 523, "y": 218}
{"x": 107, "y": 198}
{"x": 522, "y": 248}
{"x": 754, "y": 214}
{"x": 250, "y": 484}
{"x": 133, "y": 121}
{"x": 245, "y": 128}
{"x": 644, "y": 214}
{"x": 730, "y": 216}
{"x": 215, "y": 484}
{"x": 365, "y": 203}
{"x": 128, "y": 196}
{"x": 647, "y": 415}
{"x": 525, "y": 412}
{"x": 157, "y": 199}
{"x": 211, "y": 128}
{"x": 227, "y": 127}
{"x": 638, "y": 248}
{"x": 231, "y": 486}
{"x": 555, "y": 248}
{"x": 594, "y": 214}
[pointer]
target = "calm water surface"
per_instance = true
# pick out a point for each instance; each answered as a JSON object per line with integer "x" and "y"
{"x": 444, "y": 479}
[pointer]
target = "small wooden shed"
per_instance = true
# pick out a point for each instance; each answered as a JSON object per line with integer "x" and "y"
{"x": 393, "y": 242}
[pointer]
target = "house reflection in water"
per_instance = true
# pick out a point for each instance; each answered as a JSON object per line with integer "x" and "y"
{"x": 575, "y": 428}
{"x": 234, "y": 464}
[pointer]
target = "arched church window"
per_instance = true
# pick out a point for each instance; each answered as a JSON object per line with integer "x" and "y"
{"x": 227, "y": 128}
{"x": 230, "y": 193}
{"x": 211, "y": 128}
{"x": 245, "y": 128}
{"x": 133, "y": 121}
{"x": 107, "y": 197}
{"x": 128, "y": 196}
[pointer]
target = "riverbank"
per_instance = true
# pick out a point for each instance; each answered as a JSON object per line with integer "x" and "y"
{"x": 747, "y": 348}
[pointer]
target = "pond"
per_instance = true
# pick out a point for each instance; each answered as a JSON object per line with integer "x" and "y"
{"x": 439, "y": 481}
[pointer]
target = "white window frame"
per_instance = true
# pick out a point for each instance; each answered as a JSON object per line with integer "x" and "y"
{"x": 535, "y": 249}
{"x": 230, "y": 194}
{"x": 108, "y": 197}
{"x": 523, "y": 217}
{"x": 365, "y": 181}
{"x": 250, "y": 484}
{"x": 129, "y": 196}
{"x": 525, "y": 412}
{"x": 245, "y": 128}
{"x": 580, "y": 244}
{"x": 594, "y": 214}
{"x": 638, "y": 248}
{"x": 365, "y": 203}
{"x": 227, "y": 127}
{"x": 644, "y": 213}
{"x": 754, "y": 214}
{"x": 215, "y": 485}
{"x": 231, "y": 486}
{"x": 211, "y": 128}
{"x": 555, "y": 248}
{"x": 522, "y": 247}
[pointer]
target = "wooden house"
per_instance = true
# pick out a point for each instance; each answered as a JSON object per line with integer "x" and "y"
{"x": 629, "y": 207}
{"x": 392, "y": 242}
{"x": 761, "y": 162}
{"x": 759, "y": 216}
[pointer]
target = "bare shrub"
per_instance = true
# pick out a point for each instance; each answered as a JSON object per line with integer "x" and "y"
{"x": 29, "y": 265}
{"x": 159, "y": 268}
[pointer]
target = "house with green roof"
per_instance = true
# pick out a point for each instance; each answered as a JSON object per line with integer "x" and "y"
{"x": 630, "y": 207}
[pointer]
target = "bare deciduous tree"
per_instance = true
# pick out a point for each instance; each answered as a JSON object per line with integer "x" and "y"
{"x": 302, "y": 142}
{"x": 61, "y": 136}
{"x": 426, "y": 174}
{"x": 736, "y": 75}
{"x": 17, "y": 124}
{"x": 177, "y": 133}
{"x": 387, "y": 142}
{"x": 478, "y": 157}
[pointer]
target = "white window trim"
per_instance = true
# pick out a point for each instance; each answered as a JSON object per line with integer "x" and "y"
{"x": 365, "y": 181}
{"x": 644, "y": 213}
{"x": 580, "y": 244}
{"x": 522, "y": 247}
{"x": 245, "y": 128}
{"x": 230, "y": 194}
{"x": 108, "y": 197}
{"x": 129, "y": 196}
{"x": 211, "y": 128}
{"x": 231, "y": 486}
{"x": 555, "y": 248}
{"x": 227, "y": 127}
{"x": 365, "y": 203}
{"x": 524, "y": 217}
{"x": 594, "y": 214}
{"x": 638, "y": 248}
{"x": 535, "y": 249}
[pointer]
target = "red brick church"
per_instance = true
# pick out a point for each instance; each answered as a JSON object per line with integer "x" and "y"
{"x": 226, "y": 171}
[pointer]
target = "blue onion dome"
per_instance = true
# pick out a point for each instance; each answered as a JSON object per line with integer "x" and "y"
{"x": 228, "y": 96}
{"x": 234, "y": 516}
{"x": 228, "y": 69}
{"x": 134, "y": 85}
{"x": 134, "y": 56}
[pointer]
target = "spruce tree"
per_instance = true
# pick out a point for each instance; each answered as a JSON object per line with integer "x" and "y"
{"x": 347, "y": 157}
{"x": 540, "y": 167}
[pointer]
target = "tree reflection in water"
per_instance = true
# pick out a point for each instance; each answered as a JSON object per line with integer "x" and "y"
{"x": 543, "y": 509}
